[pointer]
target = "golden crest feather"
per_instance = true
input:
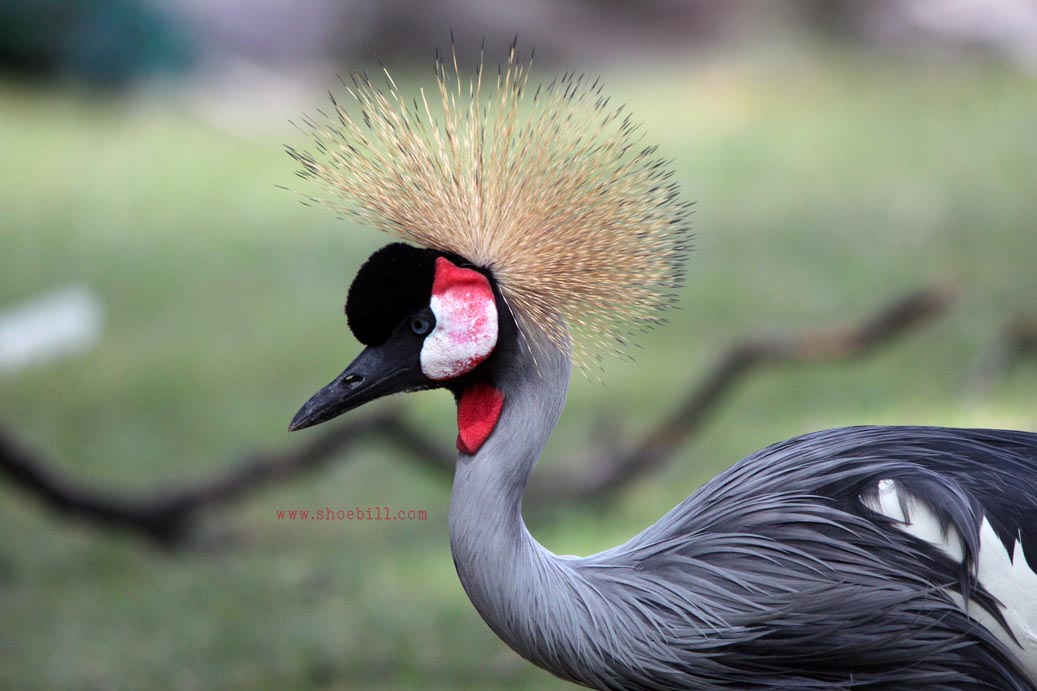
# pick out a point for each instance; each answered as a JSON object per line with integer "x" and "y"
{"x": 580, "y": 225}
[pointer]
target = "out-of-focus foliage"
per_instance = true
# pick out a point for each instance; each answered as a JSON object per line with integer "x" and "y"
{"x": 101, "y": 42}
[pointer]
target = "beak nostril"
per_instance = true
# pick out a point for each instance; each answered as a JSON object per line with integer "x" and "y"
{"x": 352, "y": 380}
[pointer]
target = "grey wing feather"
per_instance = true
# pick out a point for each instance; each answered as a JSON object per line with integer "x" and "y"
{"x": 795, "y": 580}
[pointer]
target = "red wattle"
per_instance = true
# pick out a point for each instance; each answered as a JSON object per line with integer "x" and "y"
{"x": 478, "y": 410}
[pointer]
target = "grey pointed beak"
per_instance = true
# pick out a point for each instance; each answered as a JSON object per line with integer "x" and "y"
{"x": 376, "y": 372}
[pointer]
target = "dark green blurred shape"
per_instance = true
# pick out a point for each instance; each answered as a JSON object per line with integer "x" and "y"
{"x": 100, "y": 43}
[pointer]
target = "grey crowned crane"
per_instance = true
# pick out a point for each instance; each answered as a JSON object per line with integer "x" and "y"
{"x": 541, "y": 233}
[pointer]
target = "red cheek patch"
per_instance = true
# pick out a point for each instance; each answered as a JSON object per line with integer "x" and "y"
{"x": 478, "y": 411}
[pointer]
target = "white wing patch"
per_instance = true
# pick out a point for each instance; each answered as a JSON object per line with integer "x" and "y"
{"x": 1007, "y": 577}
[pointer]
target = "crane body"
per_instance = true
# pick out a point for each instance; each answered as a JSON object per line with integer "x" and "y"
{"x": 875, "y": 558}
{"x": 786, "y": 571}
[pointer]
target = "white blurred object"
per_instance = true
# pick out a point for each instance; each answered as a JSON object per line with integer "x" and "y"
{"x": 55, "y": 325}
{"x": 1009, "y": 26}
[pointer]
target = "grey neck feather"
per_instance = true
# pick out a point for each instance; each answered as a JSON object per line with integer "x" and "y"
{"x": 512, "y": 580}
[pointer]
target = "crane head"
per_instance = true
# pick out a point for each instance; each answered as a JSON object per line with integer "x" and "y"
{"x": 549, "y": 186}
{"x": 427, "y": 320}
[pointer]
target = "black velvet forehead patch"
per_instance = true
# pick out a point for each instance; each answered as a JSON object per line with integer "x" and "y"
{"x": 393, "y": 283}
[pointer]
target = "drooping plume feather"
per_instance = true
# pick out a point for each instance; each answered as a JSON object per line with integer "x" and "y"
{"x": 550, "y": 191}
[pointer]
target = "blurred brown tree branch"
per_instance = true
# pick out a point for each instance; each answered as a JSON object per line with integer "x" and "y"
{"x": 169, "y": 517}
{"x": 1018, "y": 339}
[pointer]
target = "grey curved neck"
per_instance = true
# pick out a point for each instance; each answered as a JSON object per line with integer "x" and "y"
{"x": 508, "y": 575}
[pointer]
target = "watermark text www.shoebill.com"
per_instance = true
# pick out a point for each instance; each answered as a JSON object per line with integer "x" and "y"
{"x": 356, "y": 513}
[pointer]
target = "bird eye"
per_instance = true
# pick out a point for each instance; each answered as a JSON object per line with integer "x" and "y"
{"x": 420, "y": 324}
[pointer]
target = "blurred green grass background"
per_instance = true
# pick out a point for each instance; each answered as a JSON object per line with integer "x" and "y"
{"x": 826, "y": 184}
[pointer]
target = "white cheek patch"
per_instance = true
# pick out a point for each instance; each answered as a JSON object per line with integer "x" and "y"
{"x": 466, "y": 323}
